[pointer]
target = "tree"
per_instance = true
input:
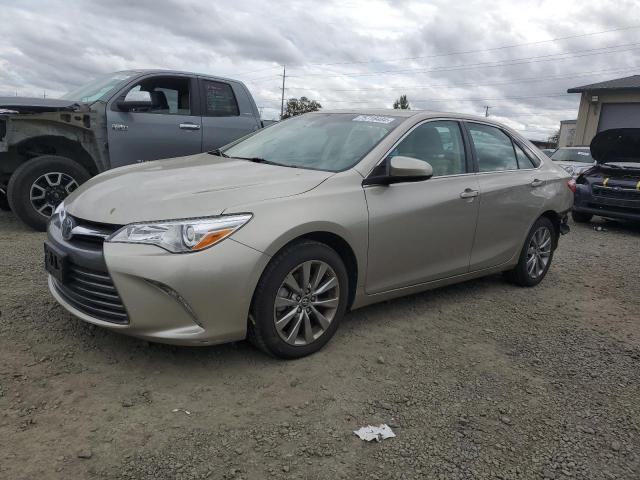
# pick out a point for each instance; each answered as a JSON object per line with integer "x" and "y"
{"x": 554, "y": 138}
{"x": 402, "y": 103}
{"x": 299, "y": 106}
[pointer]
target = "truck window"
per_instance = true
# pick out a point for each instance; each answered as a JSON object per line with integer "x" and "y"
{"x": 169, "y": 95}
{"x": 219, "y": 100}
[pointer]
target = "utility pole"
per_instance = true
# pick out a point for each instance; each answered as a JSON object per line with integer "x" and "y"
{"x": 486, "y": 110}
{"x": 284, "y": 75}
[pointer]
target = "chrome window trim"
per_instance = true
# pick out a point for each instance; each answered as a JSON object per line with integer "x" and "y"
{"x": 408, "y": 132}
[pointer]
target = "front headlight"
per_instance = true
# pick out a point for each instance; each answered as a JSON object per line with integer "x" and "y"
{"x": 182, "y": 236}
{"x": 570, "y": 170}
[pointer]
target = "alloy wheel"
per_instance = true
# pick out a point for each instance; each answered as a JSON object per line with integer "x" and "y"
{"x": 539, "y": 252}
{"x": 306, "y": 303}
{"x": 49, "y": 190}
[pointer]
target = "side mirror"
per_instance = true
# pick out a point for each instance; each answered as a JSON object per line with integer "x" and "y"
{"x": 403, "y": 169}
{"x": 135, "y": 99}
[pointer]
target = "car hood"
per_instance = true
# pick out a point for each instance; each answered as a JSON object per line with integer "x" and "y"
{"x": 616, "y": 145}
{"x": 36, "y": 105}
{"x": 195, "y": 186}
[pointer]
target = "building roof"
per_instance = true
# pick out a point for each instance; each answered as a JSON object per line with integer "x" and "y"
{"x": 626, "y": 83}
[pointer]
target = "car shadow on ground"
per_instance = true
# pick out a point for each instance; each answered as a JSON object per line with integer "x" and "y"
{"x": 373, "y": 318}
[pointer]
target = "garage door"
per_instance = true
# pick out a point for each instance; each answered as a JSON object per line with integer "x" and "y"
{"x": 619, "y": 115}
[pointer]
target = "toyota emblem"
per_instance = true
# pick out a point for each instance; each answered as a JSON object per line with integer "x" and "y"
{"x": 67, "y": 227}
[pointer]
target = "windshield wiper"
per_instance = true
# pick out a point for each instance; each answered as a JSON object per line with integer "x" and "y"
{"x": 218, "y": 152}
{"x": 259, "y": 160}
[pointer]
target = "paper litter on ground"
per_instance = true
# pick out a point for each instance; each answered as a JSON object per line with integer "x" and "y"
{"x": 378, "y": 433}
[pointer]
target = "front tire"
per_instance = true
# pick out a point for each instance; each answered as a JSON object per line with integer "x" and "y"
{"x": 537, "y": 253}
{"x": 299, "y": 301}
{"x": 581, "y": 217}
{"x": 37, "y": 187}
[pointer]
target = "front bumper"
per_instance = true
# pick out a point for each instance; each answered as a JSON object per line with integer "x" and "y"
{"x": 199, "y": 298}
{"x": 611, "y": 207}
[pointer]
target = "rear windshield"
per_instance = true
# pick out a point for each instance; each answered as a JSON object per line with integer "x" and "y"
{"x": 572, "y": 155}
{"x": 317, "y": 141}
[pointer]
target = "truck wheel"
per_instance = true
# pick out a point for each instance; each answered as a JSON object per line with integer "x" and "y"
{"x": 581, "y": 217}
{"x": 38, "y": 186}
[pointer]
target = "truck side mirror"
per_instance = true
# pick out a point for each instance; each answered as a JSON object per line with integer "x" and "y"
{"x": 135, "y": 99}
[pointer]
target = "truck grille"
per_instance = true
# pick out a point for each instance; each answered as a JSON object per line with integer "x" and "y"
{"x": 93, "y": 292}
{"x": 616, "y": 193}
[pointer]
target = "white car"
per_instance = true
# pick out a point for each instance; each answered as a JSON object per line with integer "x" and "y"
{"x": 574, "y": 160}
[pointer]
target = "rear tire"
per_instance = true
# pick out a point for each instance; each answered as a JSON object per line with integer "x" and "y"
{"x": 299, "y": 301}
{"x": 39, "y": 185}
{"x": 536, "y": 255}
{"x": 581, "y": 217}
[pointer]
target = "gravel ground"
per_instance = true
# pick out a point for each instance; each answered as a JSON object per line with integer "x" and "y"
{"x": 479, "y": 380}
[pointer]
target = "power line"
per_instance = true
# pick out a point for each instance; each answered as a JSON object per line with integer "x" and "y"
{"x": 463, "y": 52}
{"x": 472, "y": 84}
{"x": 516, "y": 61}
{"x": 453, "y": 99}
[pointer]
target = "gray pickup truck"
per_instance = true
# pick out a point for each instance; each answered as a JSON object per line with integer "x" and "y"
{"x": 48, "y": 147}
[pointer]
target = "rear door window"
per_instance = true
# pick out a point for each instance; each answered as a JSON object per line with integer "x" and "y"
{"x": 494, "y": 148}
{"x": 524, "y": 160}
{"x": 219, "y": 99}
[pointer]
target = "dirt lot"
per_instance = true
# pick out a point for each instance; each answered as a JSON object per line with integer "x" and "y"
{"x": 480, "y": 380}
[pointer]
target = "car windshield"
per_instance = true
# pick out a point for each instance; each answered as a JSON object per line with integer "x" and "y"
{"x": 582, "y": 155}
{"x": 98, "y": 88}
{"x": 317, "y": 141}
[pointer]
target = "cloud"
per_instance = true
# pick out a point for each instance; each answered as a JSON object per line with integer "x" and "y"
{"x": 344, "y": 54}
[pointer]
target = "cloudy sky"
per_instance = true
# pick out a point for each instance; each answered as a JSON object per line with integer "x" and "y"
{"x": 518, "y": 57}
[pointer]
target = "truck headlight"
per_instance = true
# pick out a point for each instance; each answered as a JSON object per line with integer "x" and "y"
{"x": 181, "y": 236}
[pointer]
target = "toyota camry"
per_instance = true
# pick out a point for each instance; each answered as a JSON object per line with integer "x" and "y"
{"x": 277, "y": 235}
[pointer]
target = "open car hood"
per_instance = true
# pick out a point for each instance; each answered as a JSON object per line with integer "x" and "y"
{"x": 620, "y": 145}
{"x": 35, "y": 105}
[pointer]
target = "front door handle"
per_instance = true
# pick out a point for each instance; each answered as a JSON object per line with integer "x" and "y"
{"x": 536, "y": 183}
{"x": 189, "y": 126}
{"x": 469, "y": 193}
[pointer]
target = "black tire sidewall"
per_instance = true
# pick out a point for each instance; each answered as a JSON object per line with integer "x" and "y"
{"x": 18, "y": 191}
{"x": 262, "y": 311}
{"x": 580, "y": 217}
{"x": 523, "y": 277}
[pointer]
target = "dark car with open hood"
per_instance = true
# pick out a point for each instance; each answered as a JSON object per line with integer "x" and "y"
{"x": 611, "y": 188}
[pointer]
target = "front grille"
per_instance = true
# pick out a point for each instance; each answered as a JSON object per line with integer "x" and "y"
{"x": 93, "y": 292}
{"x": 618, "y": 193}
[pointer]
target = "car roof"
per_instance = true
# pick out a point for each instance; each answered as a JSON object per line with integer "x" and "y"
{"x": 178, "y": 72}
{"x": 419, "y": 114}
{"x": 584, "y": 147}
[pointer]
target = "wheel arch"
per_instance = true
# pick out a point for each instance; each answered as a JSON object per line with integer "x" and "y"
{"x": 338, "y": 243}
{"x": 57, "y": 145}
{"x": 555, "y": 219}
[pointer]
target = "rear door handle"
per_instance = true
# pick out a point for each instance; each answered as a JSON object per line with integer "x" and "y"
{"x": 189, "y": 126}
{"x": 469, "y": 193}
{"x": 536, "y": 182}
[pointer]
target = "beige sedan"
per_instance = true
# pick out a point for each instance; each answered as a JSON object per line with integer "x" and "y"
{"x": 276, "y": 236}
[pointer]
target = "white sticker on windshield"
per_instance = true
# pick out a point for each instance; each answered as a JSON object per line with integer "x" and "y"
{"x": 583, "y": 153}
{"x": 373, "y": 118}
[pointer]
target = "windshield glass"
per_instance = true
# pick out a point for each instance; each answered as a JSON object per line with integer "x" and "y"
{"x": 319, "y": 141}
{"x": 572, "y": 155}
{"x": 99, "y": 87}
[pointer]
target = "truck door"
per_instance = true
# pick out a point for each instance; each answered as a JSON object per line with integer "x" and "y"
{"x": 170, "y": 128}
{"x": 227, "y": 113}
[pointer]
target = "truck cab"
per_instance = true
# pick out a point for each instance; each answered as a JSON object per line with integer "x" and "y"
{"x": 49, "y": 147}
